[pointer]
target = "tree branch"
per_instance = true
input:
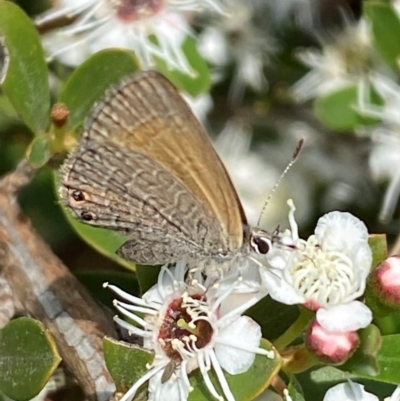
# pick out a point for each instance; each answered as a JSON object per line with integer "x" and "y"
{"x": 50, "y": 293}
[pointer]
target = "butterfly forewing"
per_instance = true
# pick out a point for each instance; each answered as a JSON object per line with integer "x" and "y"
{"x": 145, "y": 165}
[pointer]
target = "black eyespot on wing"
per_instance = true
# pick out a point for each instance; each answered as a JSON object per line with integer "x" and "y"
{"x": 78, "y": 195}
{"x": 87, "y": 216}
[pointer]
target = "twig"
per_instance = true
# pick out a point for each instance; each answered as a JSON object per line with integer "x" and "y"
{"x": 50, "y": 293}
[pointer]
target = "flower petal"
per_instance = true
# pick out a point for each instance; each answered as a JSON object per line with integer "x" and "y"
{"x": 343, "y": 232}
{"x": 172, "y": 390}
{"x": 349, "y": 392}
{"x": 339, "y": 230}
{"x": 279, "y": 289}
{"x": 242, "y": 333}
{"x": 345, "y": 317}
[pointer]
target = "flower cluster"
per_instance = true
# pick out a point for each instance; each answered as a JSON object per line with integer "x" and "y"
{"x": 345, "y": 60}
{"x": 196, "y": 322}
{"x": 127, "y": 24}
{"x": 326, "y": 273}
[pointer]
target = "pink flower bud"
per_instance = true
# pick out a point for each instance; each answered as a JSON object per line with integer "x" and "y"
{"x": 386, "y": 281}
{"x": 332, "y": 347}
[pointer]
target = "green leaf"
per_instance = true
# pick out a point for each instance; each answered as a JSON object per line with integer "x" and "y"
{"x": 364, "y": 360}
{"x": 338, "y": 110}
{"x": 388, "y": 323}
{"x": 24, "y": 76}
{"x": 39, "y": 151}
{"x": 91, "y": 79}
{"x": 125, "y": 362}
{"x": 93, "y": 280}
{"x": 295, "y": 390}
{"x": 385, "y": 25}
{"x": 196, "y": 84}
{"x": 389, "y": 361}
{"x": 147, "y": 276}
{"x": 329, "y": 374}
{"x": 28, "y": 357}
{"x": 378, "y": 245}
{"x": 273, "y": 317}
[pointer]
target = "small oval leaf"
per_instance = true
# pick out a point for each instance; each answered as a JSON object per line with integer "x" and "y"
{"x": 24, "y": 75}
{"x": 385, "y": 25}
{"x": 295, "y": 390}
{"x": 338, "y": 110}
{"x": 91, "y": 79}
{"x": 364, "y": 360}
{"x": 388, "y": 360}
{"x": 39, "y": 151}
{"x": 125, "y": 362}
{"x": 28, "y": 357}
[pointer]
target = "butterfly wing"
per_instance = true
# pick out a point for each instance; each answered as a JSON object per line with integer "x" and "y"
{"x": 156, "y": 174}
{"x": 109, "y": 186}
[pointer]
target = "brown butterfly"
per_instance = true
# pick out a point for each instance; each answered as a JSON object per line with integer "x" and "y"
{"x": 146, "y": 166}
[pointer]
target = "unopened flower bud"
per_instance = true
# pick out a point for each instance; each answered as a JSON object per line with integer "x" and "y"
{"x": 332, "y": 347}
{"x": 386, "y": 281}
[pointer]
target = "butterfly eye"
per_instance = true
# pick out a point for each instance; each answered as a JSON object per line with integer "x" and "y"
{"x": 260, "y": 244}
{"x": 87, "y": 216}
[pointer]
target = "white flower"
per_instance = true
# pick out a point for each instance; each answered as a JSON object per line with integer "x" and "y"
{"x": 191, "y": 326}
{"x": 343, "y": 62}
{"x": 384, "y": 159}
{"x": 234, "y": 37}
{"x": 351, "y": 391}
{"x": 102, "y": 24}
{"x": 326, "y": 273}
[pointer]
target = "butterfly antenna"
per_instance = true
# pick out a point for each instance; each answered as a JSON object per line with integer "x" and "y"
{"x": 288, "y": 167}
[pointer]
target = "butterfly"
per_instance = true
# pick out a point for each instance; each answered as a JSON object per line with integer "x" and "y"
{"x": 145, "y": 166}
